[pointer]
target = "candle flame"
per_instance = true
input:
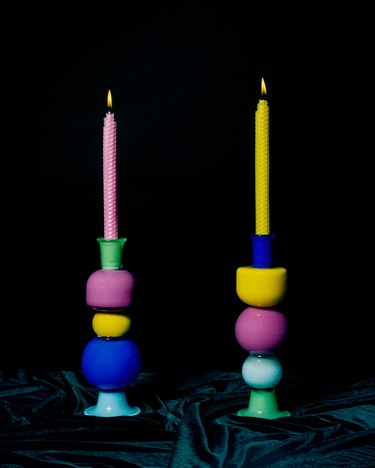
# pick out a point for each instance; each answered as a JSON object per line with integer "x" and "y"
{"x": 263, "y": 88}
{"x": 109, "y": 99}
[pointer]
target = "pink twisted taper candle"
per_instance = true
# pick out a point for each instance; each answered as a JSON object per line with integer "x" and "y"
{"x": 110, "y": 174}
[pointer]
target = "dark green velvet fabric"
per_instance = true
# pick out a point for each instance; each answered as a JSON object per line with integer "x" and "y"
{"x": 185, "y": 421}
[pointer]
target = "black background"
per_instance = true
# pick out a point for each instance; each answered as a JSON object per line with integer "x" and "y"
{"x": 185, "y": 83}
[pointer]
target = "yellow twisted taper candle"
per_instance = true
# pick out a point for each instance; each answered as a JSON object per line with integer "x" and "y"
{"x": 262, "y": 217}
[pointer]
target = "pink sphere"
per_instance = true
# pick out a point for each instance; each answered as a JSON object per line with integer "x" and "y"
{"x": 109, "y": 289}
{"x": 260, "y": 330}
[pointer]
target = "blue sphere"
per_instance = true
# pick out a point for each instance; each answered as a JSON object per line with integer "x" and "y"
{"x": 111, "y": 364}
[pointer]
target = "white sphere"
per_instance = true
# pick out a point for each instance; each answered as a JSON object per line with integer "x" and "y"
{"x": 262, "y": 371}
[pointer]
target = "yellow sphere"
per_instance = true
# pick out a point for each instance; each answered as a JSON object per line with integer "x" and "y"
{"x": 261, "y": 287}
{"x": 109, "y": 324}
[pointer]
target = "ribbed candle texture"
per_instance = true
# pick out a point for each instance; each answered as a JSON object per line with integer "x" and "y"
{"x": 110, "y": 177}
{"x": 262, "y": 221}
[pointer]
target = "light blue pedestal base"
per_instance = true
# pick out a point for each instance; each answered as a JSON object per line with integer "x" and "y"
{"x": 112, "y": 404}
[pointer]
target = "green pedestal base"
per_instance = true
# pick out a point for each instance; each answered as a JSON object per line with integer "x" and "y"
{"x": 263, "y": 404}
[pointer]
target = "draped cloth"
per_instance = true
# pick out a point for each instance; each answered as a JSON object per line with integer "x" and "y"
{"x": 185, "y": 421}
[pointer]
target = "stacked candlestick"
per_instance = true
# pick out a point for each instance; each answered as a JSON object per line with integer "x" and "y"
{"x": 260, "y": 329}
{"x": 111, "y": 360}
